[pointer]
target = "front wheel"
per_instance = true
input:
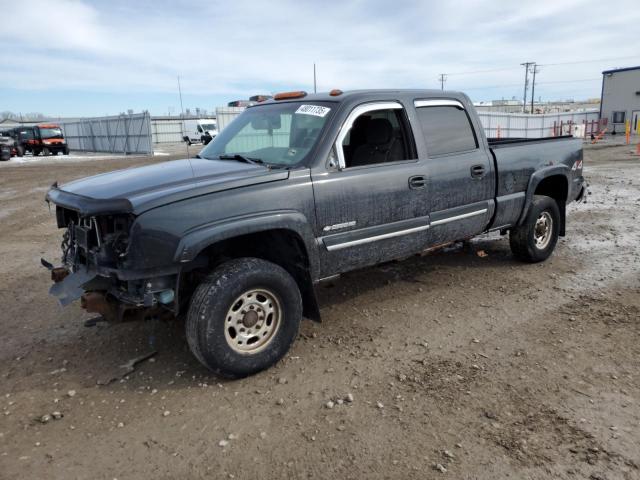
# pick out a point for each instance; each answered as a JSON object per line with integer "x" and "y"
{"x": 244, "y": 317}
{"x": 536, "y": 238}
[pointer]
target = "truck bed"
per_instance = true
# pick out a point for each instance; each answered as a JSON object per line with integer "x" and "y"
{"x": 499, "y": 142}
{"x": 517, "y": 159}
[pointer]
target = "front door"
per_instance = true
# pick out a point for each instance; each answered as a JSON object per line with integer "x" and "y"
{"x": 372, "y": 205}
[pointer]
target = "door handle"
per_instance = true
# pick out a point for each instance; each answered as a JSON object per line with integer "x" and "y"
{"x": 417, "y": 181}
{"x": 477, "y": 171}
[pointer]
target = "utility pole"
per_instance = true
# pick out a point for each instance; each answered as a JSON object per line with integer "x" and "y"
{"x": 533, "y": 84}
{"x": 443, "y": 78}
{"x": 315, "y": 90}
{"x": 526, "y": 66}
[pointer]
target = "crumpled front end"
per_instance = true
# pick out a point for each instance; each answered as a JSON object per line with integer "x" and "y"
{"x": 96, "y": 268}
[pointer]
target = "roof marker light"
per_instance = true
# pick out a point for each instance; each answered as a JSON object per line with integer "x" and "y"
{"x": 335, "y": 92}
{"x": 287, "y": 95}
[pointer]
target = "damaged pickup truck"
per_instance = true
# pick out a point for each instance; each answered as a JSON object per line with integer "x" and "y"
{"x": 298, "y": 189}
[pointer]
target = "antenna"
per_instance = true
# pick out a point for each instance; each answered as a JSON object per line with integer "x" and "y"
{"x": 182, "y": 115}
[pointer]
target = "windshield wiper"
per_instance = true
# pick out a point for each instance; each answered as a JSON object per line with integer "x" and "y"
{"x": 251, "y": 160}
{"x": 241, "y": 158}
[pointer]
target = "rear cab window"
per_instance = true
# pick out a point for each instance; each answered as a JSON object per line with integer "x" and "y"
{"x": 446, "y": 127}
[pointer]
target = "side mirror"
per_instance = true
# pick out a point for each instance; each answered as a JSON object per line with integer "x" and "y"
{"x": 332, "y": 161}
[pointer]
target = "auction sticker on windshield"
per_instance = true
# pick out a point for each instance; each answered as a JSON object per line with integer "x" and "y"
{"x": 315, "y": 110}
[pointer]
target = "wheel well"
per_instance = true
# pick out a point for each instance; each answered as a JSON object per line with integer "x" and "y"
{"x": 556, "y": 187}
{"x": 280, "y": 246}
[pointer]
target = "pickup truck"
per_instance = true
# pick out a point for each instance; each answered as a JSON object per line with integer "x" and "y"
{"x": 295, "y": 190}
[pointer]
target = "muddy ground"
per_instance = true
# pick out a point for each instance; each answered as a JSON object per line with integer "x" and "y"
{"x": 460, "y": 366}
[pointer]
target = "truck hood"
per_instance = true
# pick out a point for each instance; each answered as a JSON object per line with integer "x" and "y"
{"x": 136, "y": 190}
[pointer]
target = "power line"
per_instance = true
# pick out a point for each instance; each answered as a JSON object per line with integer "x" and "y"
{"x": 589, "y": 61}
{"x": 484, "y": 71}
{"x": 572, "y": 81}
{"x": 510, "y": 85}
{"x": 577, "y": 62}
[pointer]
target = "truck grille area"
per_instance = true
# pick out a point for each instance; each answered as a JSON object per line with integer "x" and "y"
{"x": 93, "y": 241}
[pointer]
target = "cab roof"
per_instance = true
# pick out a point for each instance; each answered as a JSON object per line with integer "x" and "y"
{"x": 369, "y": 94}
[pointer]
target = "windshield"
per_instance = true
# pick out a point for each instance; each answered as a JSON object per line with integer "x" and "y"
{"x": 277, "y": 134}
{"x": 50, "y": 133}
{"x": 208, "y": 126}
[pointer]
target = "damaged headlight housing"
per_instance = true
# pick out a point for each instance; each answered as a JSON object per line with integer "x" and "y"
{"x": 98, "y": 240}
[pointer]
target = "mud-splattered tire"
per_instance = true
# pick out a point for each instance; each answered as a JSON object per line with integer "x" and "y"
{"x": 243, "y": 317}
{"x": 536, "y": 238}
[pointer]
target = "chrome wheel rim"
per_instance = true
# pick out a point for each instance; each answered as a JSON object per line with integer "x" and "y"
{"x": 543, "y": 230}
{"x": 252, "y": 321}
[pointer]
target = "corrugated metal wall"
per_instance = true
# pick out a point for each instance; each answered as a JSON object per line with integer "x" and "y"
{"x": 169, "y": 129}
{"x": 511, "y": 124}
{"x": 116, "y": 134}
{"x": 530, "y": 126}
{"x": 225, "y": 115}
{"x": 166, "y": 131}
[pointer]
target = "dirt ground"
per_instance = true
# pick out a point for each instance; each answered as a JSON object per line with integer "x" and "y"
{"x": 459, "y": 365}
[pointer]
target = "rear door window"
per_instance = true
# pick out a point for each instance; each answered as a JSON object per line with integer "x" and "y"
{"x": 447, "y": 129}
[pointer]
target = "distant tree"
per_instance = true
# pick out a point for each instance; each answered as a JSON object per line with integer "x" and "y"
{"x": 27, "y": 117}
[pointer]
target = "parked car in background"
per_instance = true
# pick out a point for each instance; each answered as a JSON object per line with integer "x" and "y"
{"x": 297, "y": 190}
{"x": 7, "y": 139}
{"x": 199, "y": 130}
{"x": 5, "y": 150}
{"x": 45, "y": 139}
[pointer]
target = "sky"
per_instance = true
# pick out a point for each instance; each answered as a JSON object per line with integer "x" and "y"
{"x": 90, "y": 58}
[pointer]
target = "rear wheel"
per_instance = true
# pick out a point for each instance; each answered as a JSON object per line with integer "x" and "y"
{"x": 244, "y": 317}
{"x": 535, "y": 240}
{"x": 35, "y": 152}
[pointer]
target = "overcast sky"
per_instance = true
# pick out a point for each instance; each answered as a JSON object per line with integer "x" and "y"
{"x": 78, "y": 57}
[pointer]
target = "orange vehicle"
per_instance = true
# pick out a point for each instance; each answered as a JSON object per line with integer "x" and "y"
{"x": 46, "y": 138}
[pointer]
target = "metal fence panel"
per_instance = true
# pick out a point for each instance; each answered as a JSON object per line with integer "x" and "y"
{"x": 116, "y": 134}
{"x": 225, "y": 115}
{"x": 166, "y": 131}
{"x": 531, "y": 126}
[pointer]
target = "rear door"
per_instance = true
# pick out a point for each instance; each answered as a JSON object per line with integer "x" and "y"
{"x": 371, "y": 202}
{"x": 461, "y": 182}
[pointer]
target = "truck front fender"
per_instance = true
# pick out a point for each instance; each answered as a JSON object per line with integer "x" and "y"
{"x": 199, "y": 238}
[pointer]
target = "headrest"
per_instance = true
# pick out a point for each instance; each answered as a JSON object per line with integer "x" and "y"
{"x": 379, "y": 131}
